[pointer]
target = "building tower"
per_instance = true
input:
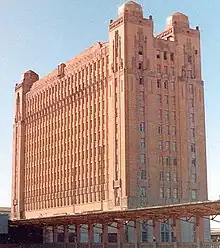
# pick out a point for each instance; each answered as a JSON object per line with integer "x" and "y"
{"x": 120, "y": 126}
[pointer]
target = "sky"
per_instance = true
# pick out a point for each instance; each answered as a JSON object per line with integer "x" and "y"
{"x": 39, "y": 35}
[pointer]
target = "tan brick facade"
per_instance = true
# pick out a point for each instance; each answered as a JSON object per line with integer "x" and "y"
{"x": 119, "y": 126}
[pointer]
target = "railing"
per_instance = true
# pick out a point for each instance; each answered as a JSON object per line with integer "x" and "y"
{"x": 147, "y": 245}
{"x": 164, "y": 245}
{"x": 210, "y": 245}
{"x": 114, "y": 245}
{"x": 186, "y": 245}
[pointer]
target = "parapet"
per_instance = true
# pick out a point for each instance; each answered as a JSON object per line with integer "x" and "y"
{"x": 30, "y": 76}
{"x": 177, "y": 19}
{"x": 130, "y": 6}
{"x": 27, "y": 80}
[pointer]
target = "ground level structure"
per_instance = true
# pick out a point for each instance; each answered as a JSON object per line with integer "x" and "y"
{"x": 97, "y": 226}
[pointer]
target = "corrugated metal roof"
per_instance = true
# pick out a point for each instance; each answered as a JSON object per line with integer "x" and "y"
{"x": 5, "y": 210}
{"x": 215, "y": 231}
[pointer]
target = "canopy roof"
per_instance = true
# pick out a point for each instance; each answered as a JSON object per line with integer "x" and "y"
{"x": 202, "y": 209}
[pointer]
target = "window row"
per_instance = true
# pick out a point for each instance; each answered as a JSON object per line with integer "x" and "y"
{"x": 166, "y": 100}
{"x": 165, "y": 55}
{"x": 168, "y": 176}
{"x": 167, "y": 161}
{"x": 166, "y": 130}
{"x": 168, "y": 194}
{"x": 166, "y": 115}
{"x": 166, "y": 70}
{"x": 167, "y": 146}
{"x": 166, "y": 85}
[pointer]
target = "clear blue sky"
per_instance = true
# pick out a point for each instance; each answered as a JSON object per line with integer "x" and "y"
{"x": 40, "y": 34}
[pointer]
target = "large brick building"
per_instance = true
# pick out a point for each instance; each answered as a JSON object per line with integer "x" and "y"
{"x": 120, "y": 126}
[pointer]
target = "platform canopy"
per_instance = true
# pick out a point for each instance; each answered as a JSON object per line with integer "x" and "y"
{"x": 177, "y": 211}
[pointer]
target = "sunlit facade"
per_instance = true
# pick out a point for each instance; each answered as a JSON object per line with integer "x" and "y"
{"x": 120, "y": 126}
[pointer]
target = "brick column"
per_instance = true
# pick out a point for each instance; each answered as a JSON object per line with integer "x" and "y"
{"x": 66, "y": 234}
{"x": 44, "y": 237}
{"x": 137, "y": 233}
{"x": 90, "y": 235}
{"x": 55, "y": 234}
{"x": 120, "y": 234}
{"x": 105, "y": 235}
{"x": 155, "y": 233}
{"x": 174, "y": 229}
{"x": 78, "y": 235}
{"x": 49, "y": 236}
{"x": 197, "y": 231}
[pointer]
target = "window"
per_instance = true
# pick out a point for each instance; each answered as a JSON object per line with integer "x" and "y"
{"x": 142, "y": 159}
{"x": 139, "y": 66}
{"x": 143, "y": 192}
{"x": 159, "y": 99}
{"x": 193, "y": 148}
{"x": 174, "y": 161}
{"x": 190, "y": 74}
{"x": 158, "y": 54}
{"x": 116, "y": 144}
{"x": 159, "y": 130}
{"x": 158, "y": 83}
{"x": 158, "y": 69}
{"x": 165, "y": 55}
{"x": 193, "y": 132}
{"x": 172, "y": 86}
{"x": 168, "y": 193}
{"x": 174, "y": 146}
{"x": 143, "y": 174}
{"x": 190, "y": 88}
{"x": 191, "y": 103}
{"x": 160, "y": 160}
{"x": 168, "y": 176}
{"x": 183, "y": 72}
{"x": 161, "y": 192}
{"x": 165, "y": 84}
{"x": 193, "y": 178}
{"x": 167, "y": 130}
{"x": 193, "y": 162}
{"x": 166, "y": 99}
{"x": 141, "y": 95}
{"x": 175, "y": 193}
{"x": 167, "y": 145}
{"x": 159, "y": 114}
{"x": 192, "y": 119}
{"x": 141, "y": 81}
{"x": 144, "y": 236}
{"x": 167, "y": 161}
{"x": 165, "y": 70}
{"x": 166, "y": 115}
{"x": 173, "y": 116}
{"x": 117, "y": 197}
{"x": 190, "y": 59}
{"x": 173, "y": 100}
{"x": 172, "y": 57}
{"x": 142, "y": 110}
{"x": 193, "y": 194}
{"x": 160, "y": 145}
{"x": 142, "y": 143}
{"x": 142, "y": 127}
{"x": 140, "y": 53}
{"x": 173, "y": 131}
{"x": 174, "y": 177}
{"x": 161, "y": 176}
{"x": 165, "y": 232}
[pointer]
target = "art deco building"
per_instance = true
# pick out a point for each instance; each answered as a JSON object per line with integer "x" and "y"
{"x": 120, "y": 126}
